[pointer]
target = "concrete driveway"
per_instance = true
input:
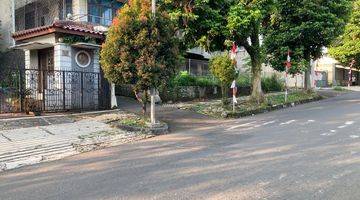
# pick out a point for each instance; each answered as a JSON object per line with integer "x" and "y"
{"x": 307, "y": 152}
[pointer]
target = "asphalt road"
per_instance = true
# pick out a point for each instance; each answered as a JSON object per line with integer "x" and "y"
{"x": 311, "y": 151}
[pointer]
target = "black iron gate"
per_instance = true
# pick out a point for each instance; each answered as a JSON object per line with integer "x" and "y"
{"x": 52, "y": 91}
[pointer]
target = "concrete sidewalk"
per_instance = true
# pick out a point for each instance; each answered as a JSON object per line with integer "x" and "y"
{"x": 29, "y": 145}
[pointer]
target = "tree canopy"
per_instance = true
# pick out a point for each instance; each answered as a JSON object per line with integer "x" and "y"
{"x": 216, "y": 24}
{"x": 200, "y": 22}
{"x": 347, "y": 46}
{"x": 303, "y": 27}
{"x": 140, "y": 49}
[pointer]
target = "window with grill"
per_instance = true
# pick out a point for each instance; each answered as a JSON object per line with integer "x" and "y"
{"x": 102, "y": 11}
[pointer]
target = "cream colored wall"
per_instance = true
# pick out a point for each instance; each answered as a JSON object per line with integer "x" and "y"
{"x": 62, "y": 57}
{"x": 50, "y": 38}
{"x": 31, "y": 59}
{"x": 327, "y": 64}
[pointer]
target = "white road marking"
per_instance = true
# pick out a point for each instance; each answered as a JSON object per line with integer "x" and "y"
{"x": 238, "y": 126}
{"x": 346, "y": 124}
{"x": 354, "y": 136}
{"x": 310, "y": 120}
{"x": 349, "y": 122}
{"x": 333, "y": 131}
{"x": 327, "y": 134}
{"x": 270, "y": 122}
{"x": 283, "y": 175}
{"x": 288, "y": 122}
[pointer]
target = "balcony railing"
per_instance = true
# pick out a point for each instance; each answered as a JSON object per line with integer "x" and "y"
{"x": 35, "y": 13}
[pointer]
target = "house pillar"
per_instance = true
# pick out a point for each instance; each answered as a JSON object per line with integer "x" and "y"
{"x": 62, "y": 64}
{"x": 62, "y": 57}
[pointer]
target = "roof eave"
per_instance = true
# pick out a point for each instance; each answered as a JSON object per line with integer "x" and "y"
{"x": 26, "y": 36}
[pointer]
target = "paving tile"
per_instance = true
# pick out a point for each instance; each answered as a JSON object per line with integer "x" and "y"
{"x": 25, "y": 134}
{"x": 78, "y": 128}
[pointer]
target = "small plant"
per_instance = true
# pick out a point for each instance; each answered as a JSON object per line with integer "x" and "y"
{"x": 34, "y": 106}
{"x": 244, "y": 80}
{"x": 185, "y": 79}
{"x": 272, "y": 84}
{"x": 223, "y": 68}
{"x": 338, "y": 88}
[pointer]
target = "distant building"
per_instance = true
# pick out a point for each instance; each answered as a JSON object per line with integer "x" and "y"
{"x": 330, "y": 72}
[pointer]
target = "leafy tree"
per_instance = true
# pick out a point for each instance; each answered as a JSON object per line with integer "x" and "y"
{"x": 200, "y": 23}
{"x": 245, "y": 23}
{"x": 347, "y": 47}
{"x": 214, "y": 24}
{"x": 223, "y": 68}
{"x": 140, "y": 49}
{"x": 304, "y": 27}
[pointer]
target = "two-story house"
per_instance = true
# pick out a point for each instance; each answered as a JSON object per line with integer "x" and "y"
{"x": 61, "y": 41}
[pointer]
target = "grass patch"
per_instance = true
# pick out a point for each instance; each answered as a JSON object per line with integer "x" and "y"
{"x": 340, "y": 89}
{"x": 98, "y": 134}
{"x": 246, "y": 107}
{"x": 140, "y": 122}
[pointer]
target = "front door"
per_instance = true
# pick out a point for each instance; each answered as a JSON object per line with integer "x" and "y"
{"x": 46, "y": 67}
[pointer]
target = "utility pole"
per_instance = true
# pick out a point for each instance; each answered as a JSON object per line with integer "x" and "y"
{"x": 152, "y": 92}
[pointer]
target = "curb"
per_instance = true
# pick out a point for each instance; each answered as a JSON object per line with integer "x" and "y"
{"x": 270, "y": 108}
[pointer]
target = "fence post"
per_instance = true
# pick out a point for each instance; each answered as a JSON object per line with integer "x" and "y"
{"x": 21, "y": 91}
{"x": 82, "y": 90}
{"x": 99, "y": 91}
{"x": 43, "y": 88}
{"x": 64, "y": 91}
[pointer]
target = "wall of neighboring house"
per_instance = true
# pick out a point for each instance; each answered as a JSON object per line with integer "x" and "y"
{"x": 80, "y": 10}
{"x": 6, "y": 26}
{"x": 8, "y": 58}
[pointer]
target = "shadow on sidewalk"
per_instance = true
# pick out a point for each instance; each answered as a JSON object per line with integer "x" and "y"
{"x": 177, "y": 119}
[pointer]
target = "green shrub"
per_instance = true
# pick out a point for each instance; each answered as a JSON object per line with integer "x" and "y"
{"x": 223, "y": 68}
{"x": 206, "y": 81}
{"x": 244, "y": 80}
{"x": 272, "y": 84}
{"x": 184, "y": 79}
{"x": 338, "y": 88}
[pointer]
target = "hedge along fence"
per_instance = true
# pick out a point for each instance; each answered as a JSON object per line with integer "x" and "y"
{"x": 177, "y": 93}
{"x": 185, "y": 87}
{"x": 184, "y": 93}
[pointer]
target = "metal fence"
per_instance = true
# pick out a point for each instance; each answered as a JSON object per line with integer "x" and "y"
{"x": 196, "y": 67}
{"x": 52, "y": 91}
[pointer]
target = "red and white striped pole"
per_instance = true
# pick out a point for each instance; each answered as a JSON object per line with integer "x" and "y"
{"x": 287, "y": 67}
{"x": 233, "y": 85}
{"x": 350, "y": 72}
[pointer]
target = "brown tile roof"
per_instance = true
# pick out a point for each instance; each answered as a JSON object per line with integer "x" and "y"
{"x": 64, "y": 26}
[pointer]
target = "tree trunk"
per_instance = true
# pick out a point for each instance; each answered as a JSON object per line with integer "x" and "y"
{"x": 307, "y": 84}
{"x": 256, "y": 64}
{"x": 256, "y": 94}
{"x": 144, "y": 101}
{"x": 224, "y": 94}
